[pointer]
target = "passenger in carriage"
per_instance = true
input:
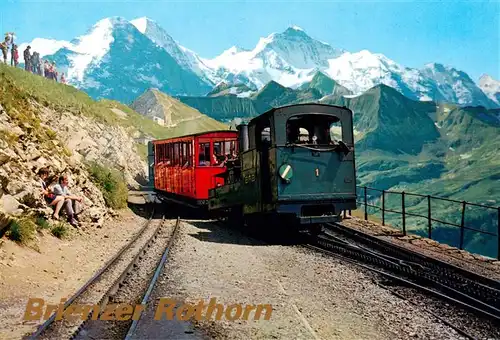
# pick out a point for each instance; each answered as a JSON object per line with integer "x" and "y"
{"x": 201, "y": 160}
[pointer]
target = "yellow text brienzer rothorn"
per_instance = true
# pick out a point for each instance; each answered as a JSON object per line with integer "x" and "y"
{"x": 166, "y": 310}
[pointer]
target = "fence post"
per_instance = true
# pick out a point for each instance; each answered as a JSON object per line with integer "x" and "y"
{"x": 429, "y": 216}
{"x": 462, "y": 225}
{"x": 366, "y": 206}
{"x": 498, "y": 235}
{"x": 383, "y": 207}
{"x": 403, "y": 211}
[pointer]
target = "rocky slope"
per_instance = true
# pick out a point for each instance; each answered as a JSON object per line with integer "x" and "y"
{"x": 42, "y": 124}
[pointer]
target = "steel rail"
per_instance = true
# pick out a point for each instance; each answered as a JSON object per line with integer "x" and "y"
{"x": 154, "y": 279}
{"x": 42, "y": 328}
{"x": 409, "y": 272}
{"x": 404, "y": 281}
{"x": 117, "y": 283}
{"x": 481, "y": 287}
{"x": 446, "y": 322}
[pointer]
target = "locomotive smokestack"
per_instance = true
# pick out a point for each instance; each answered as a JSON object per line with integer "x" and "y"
{"x": 243, "y": 137}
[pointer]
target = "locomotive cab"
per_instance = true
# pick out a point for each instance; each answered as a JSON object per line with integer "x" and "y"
{"x": 296, "y": 163}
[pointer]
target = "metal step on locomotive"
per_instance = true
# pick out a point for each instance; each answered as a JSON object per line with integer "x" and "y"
{"x": 293, "y": 166}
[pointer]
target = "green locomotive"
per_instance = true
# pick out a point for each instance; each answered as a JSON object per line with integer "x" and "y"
{"x": 295, "y": 167}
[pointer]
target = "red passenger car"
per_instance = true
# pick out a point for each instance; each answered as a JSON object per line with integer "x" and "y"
{"x": 185, "y": 167}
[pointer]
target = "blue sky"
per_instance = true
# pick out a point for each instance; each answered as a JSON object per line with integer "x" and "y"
{"x": 465, "y": 35}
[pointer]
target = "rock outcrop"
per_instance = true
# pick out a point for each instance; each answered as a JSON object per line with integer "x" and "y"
{"x": 36, "y": 133}
{"x": 22, "y": 155}
{"x": 90, "y": 140}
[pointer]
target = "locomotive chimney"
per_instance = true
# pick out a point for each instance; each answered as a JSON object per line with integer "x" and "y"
{"x": 243, "y": 137}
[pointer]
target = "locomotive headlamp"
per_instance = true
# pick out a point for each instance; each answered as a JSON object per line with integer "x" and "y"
{"x": 286, "y": 172}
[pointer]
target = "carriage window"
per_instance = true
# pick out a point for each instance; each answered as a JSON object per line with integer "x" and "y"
{"x": 204, "y": 154}
{"x": 227, "y": 147}
{"x": 169, "y": 153}
{"x": 189, "y": 154}
{"x": 176, "y": 154}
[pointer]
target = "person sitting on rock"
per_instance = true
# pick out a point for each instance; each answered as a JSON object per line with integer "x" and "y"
{"x": 50, "y": 198}
{"x": 70, "y": 206}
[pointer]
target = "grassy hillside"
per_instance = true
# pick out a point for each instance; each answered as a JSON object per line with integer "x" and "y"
{"x": 275, "y": 95}
{"x": 325, "y": 85}
{"x": 225, "y": 108}
{"x": 224, "y": 89}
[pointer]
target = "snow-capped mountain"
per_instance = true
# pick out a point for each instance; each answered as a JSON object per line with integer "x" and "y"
{"x": 115, "y": 60}
{"x": 490, "y": 87}
{"x": 454, "y": 86}
{"x": 119, "y": 59}
{"x": 184, "y": 57}
{"x": 289, "y": 58}
{"x": 292, "y": 58}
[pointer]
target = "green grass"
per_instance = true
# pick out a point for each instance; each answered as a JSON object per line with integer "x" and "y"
{"x": 112, "y": 185}
{"x": 21, "y": 231}
{"x": 142, "y": 150}
{"x": 42, "y": 223}
{"x": 60, "y": 230}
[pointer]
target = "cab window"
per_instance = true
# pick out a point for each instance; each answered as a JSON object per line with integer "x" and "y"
{"x": 313, "y": 129}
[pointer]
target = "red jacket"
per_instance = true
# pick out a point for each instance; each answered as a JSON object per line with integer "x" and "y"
{"x": 16, "y": 55}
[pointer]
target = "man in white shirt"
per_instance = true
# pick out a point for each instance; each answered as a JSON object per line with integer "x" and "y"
{"x": 70, "y": 206}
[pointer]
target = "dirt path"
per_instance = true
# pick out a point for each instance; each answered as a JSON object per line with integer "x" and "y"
{"x": 58, "y": 270}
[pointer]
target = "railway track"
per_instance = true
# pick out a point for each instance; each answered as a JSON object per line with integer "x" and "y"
{"x": 103, "y": 284}
{"x": 417, "y": 273}
{"x": 147, "y": 295}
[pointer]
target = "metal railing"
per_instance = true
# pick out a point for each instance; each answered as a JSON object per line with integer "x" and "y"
{"x": 367, "y": 201}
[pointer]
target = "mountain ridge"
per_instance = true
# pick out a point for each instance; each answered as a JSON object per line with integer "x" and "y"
{"x": 290, "y": 58}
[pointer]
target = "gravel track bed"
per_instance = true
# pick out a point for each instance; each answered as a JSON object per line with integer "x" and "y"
{"x": 132, "y": 290}
{"x": 445, "y": 253}
{"x": 93, "y": 294}
{"x": 475, "y": 326}
{"x": 314, "y": 296}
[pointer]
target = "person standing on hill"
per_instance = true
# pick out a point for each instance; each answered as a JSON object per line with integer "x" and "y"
{"x": 40, "y": 67}
{"x": 15, "y": 55}
{"x": 34, "y": 62}
{"x": 10, "y": 36}
{"x": 54, "y": 71}
{"x": 27, "y": 59}
{"x": 3, "y": 47}
{"x": 63, "y": 79}
{"x": 46, "y": 69}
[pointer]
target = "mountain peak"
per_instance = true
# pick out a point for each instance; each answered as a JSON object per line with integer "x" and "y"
{"x": 296, "y": 28}
{"x": 491, "y": 87}
{"x": 487, "y": 78}
{"x": 141, "y": 23}
{"x": 293, "y": 32}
